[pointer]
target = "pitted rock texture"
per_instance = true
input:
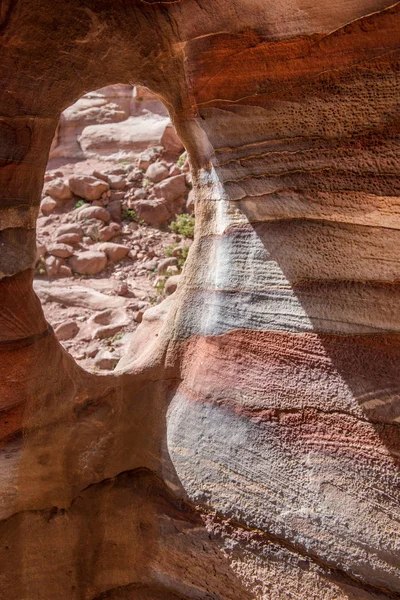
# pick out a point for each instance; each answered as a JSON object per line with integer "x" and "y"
{"x": 247, "y": 446}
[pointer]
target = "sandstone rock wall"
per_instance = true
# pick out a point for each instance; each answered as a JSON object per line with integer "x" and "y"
{"x": 106, "y": 120}
{"x": 248, "y": 445}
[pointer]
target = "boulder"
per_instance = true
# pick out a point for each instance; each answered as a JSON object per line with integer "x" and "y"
{"x": 171, "y": 188}
{"x": 52, "y": 265}
{"x": 76, "y": 295}
{"x": 145, "y": 160}
{"x": 108, "y": 323}
{"x": 116, "y": 182}
{"x": 94, "y": 212}
{"x": 47, "y": 205}
{"x": 69, "y": 228}
{"x": 156, "y": 172}
{"x": 140, "y": 194}
{"x": 115, "y": 209}
{"x": 108, "y": 105}
{"x": 69, "y": 238}
{"x": 174, "y": 170}
{"x": 109, "y": 232}
{"x": 132, "y": 136}
{"x": 106, "y": 360}
{"x": 170, "y": 141}
{"x": 65, "y": 271}
{"x": 171, "y": 284}
{"x": 114, "y": 252}
{"x": 67, "y": 330}
{"x": 165, "y": 263}
{"x": 60, "y": 250}
{"x": 153, "y": 212}
{"x": 58, "y": 189}
{"x": 89, "y": 262}
{"x": 88, "y": 187}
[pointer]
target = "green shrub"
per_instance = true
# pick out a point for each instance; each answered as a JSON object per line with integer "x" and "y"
{"x": 160, "y": 291}
{"x": 181, "y": 255}
{"x": 184, "y": 225}
{"x": 169, "y": 249}
{"x": 130, "y": 215}
{"x": 181, "y": 160}
{"x": 80, "y": 203}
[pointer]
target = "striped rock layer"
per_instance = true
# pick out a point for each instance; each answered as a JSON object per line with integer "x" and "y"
{"x": 248, "y": 445}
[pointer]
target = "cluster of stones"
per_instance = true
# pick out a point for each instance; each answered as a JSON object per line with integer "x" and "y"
{"x": 106, "y": 206}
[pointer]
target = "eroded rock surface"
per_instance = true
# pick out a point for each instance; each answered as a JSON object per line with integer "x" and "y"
{"x": 247, "y": 446}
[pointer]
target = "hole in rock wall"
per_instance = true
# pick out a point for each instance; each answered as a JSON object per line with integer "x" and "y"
{"x": 115, "y": 222}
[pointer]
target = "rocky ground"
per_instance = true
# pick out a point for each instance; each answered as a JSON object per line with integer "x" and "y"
{"x": 112, "y": 237}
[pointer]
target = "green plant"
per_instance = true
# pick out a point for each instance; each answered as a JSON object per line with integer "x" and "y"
{"x": 129, "y": 214}
{"x": 168, "y": 251}
{"x": 181, "y": 160}
{"x": 41, "y": 266}
{"x": 116, "y": 338}
{"x": 184, "y": 225}
{"x": 146, "y": 182}
{"x": 80, "y": 203}
{"x": 181, "y": 254}
{"x": 160, "y": 286}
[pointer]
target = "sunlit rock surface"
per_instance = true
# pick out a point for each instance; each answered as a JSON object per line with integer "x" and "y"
{"x": 248, "y": 444}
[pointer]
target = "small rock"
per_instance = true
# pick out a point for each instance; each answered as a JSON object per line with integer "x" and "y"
{"x": 115, "y": 210}
{"x": 108, "y": 232}
{"x": 114, "y": 252}
{"x": 116, "y": 182}
{"x": 86, "y": 186}
{"x": 69, "y": 228}
{"x": 64, "y": 271}
{"x": 116, "y": 196}
{"x": 164, "y": 264}
{"x": 47, "y": 205}
{"x": 70, "y": 239}
{"x": 140, "y": 194}
{"x": 92, "y": 350}
{"x": 150, "y": 265}
{"x": 58, "y": 190}
{"x": 132, "y": 254}
{"x": 138, "y": 316}
{"x": 172, "y": 270}
{"x": 52, "y": 265}
{"x": 122, "y": 289}
{"x": 106, "y": 360}
{"x": 171, "y": 284}
{"x": 67, "y": 330}
{"x": 174, "y": 170}
{"x": 89, "y": 262}
{"x": 60, "y": 250}
{"x": 145, "y": 160}
{"x": 94, "y": 212}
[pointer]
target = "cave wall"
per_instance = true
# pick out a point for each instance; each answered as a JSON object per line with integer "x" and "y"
{"x": 248, "y": 445}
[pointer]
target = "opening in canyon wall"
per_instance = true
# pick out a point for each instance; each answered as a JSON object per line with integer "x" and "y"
{"x": 115, "y": 223}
